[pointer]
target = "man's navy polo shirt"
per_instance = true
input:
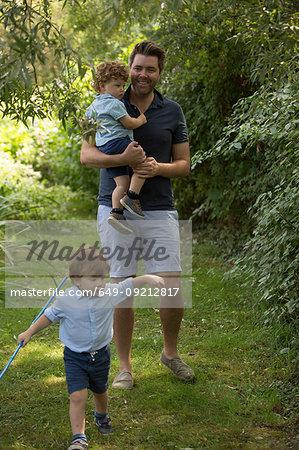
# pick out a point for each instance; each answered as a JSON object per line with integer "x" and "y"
{"x": 165, "y": 126}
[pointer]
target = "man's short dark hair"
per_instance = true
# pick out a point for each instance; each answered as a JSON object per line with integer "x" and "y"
{"x": 149, "y": 48}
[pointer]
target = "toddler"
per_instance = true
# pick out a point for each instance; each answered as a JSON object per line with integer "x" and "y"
{"x": 113, "y": 137}
{"x": 85, "y": 312}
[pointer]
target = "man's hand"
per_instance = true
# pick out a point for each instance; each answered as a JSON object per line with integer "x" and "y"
{"x": 178, "y": 167}
{"x": 147, "y": 169}
{"x": 133, "y": 155}
{"x": 92, "y": 156}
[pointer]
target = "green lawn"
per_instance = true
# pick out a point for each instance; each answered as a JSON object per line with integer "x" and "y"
{"x": 233, "y": 403}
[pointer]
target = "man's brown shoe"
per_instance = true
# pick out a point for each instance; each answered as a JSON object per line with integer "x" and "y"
{"x": 180, "y": 369}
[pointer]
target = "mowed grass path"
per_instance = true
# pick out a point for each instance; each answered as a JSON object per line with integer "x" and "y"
{"x": 233, "y": 402}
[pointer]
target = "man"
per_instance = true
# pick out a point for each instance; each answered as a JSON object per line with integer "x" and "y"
{"x": 165, "y": 141}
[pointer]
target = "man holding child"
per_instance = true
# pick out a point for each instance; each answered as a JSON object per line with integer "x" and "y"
{"x": 160, "y": 153}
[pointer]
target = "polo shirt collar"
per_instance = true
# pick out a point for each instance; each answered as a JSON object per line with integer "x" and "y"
{"x": 156, "y": 103}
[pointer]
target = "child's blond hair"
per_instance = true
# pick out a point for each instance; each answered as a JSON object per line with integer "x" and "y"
{"x": 88, "y": 262}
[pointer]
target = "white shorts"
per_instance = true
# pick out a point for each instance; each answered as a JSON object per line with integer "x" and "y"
{"x": 155, "y": 240}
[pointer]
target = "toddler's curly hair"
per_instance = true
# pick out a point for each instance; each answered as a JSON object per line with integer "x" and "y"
{"x": 107, "y": 70}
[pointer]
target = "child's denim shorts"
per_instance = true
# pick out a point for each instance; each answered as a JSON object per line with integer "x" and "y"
{"x": 114, "y": 147}
{"x": 87, "y": 370}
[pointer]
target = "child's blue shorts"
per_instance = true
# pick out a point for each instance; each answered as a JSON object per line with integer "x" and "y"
{"x": 82, "y": 370}
{"x": 115, "y": 147}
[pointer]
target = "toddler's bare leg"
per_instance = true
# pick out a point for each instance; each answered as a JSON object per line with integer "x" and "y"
{"x": 136, "y": 183}
{"x": 77, "y": 411}
{"x": 101, "y": 402}
{"x": 122, "y": 184}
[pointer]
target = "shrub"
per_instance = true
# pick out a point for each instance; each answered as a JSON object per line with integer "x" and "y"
{"x": 24, "y": 196}
{"x": 271, "y": 255}
{"x": 258, "y": 154}
{"x": 47, "y": 147}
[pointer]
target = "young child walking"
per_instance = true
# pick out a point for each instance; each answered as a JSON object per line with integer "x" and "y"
{"x": 85, "y": 312}
{"x": 113, "y": 137}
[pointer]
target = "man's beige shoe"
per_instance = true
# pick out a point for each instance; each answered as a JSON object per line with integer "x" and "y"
{"x": 123, "y": 380}
{"x": 180, "y": 369}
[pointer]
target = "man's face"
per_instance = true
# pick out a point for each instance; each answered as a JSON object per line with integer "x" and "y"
{"x": 144, "y": 74}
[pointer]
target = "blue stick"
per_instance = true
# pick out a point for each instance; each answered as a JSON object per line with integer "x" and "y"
{"x": 37, "y": 317}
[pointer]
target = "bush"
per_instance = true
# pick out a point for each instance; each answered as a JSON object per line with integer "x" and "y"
{"x": 258, "y": 155}
{"x": 58, "y": 159}
{"x": 24, "y": 196}
{"x": 51, "y": 152}
{"x": 271, "y": 254}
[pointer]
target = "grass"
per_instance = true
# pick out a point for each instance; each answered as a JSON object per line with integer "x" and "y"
{"x": 82, "y": 208}
{"x": 235, "y": 401}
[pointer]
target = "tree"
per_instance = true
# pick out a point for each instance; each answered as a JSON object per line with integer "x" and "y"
{"x": 38, "y": 66}
{"x": 42, "y": 43}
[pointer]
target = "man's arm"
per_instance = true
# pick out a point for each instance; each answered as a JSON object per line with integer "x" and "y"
{"x": 91, "y": 156}
{"x": 178, "y": 167}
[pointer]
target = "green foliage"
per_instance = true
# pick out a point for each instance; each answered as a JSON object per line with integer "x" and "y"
{"x": 38, "y": 67}
{"x": 217, "y": 53}
{"x": 24, "y": 196}
{"x": 57, "y": 158}
{"x": 258, "y": 155}
{"x": 115, "y": 26}
{"x": 271, "y": 34}
{"x": 271, "y": 254}
{"x": 99, "y": 31}
{"x": 54, "y": 156}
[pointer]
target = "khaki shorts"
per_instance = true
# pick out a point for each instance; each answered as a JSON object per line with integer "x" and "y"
{"x": 155, "y": 240}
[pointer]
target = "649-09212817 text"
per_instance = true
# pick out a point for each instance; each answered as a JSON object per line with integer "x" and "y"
{"x": 108, "y": 291}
